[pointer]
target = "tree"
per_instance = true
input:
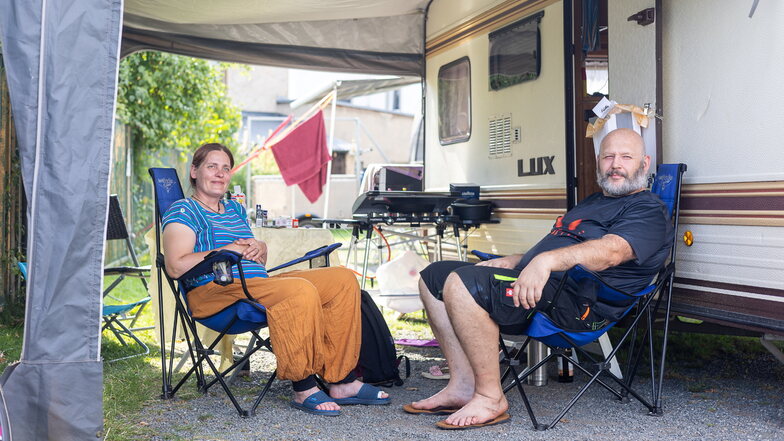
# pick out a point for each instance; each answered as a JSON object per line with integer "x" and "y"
{"x": 172, "y": 104}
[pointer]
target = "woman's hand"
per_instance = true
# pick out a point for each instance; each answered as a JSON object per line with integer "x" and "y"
{"x": 253, "y": 249}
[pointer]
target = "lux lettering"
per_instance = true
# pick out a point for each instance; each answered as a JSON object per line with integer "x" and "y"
{"x": 542, "y": 165}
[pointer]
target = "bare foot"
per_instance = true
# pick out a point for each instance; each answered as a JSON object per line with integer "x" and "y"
{"x": 480, "y": 409}
{"x": 348, "y": 390}
{"x": 450, "y": 397}
{"x": 299, "y": 397}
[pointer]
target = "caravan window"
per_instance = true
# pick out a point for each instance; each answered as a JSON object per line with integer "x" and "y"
{"x": 515, "y": 53}
{"x": 454, "y": 102}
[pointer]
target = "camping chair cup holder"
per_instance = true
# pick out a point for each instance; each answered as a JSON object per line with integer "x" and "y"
{"x": 667, "y": 185}
{"x": 246, "y": 315}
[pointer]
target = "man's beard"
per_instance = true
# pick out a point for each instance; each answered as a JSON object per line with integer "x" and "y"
{"x": 637, "y": 182}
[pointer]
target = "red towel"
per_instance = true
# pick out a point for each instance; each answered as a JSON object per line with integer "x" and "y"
{"x": 302, "y": 157}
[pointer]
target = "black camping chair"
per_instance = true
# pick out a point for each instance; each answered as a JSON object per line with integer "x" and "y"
{"x": 117, "y": 230}
{"x": 246, "y": 315}
{"x": 641, "y": 314}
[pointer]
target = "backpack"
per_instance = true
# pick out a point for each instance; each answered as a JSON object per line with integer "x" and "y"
{"x": 378, "y": 362}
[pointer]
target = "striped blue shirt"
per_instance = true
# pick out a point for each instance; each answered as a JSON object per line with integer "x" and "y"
{"x": 213, "y": 231}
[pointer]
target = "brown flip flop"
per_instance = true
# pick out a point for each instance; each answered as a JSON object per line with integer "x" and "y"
{"x": 500, "y": 419}
{"x": 440, "y": 410}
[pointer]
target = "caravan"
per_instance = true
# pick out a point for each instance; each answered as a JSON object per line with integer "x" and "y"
{"x": 510, "y": 87}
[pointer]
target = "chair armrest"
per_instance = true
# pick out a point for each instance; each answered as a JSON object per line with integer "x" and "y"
{"x": 205, "y": 266}
{"x": 310, "y": 255}
{"x": 484, "y": 256}
{"x": 605, "y": 291}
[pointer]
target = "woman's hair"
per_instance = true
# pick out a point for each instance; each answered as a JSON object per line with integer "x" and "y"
{"x": 201, "y": 153}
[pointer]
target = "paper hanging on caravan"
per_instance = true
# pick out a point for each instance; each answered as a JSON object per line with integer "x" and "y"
{"x": 612, "y": 115}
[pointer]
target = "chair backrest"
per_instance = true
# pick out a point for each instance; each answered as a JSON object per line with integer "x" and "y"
{"x": 115, "y": 227}
{"x": 167, "y": 188}
{"x": 667, "y": 185}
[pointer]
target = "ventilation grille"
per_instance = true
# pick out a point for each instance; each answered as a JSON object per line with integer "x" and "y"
{"x": 500, "y": 136}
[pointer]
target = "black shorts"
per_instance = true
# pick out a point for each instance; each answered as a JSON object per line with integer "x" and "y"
{"x": 488, "y": 286}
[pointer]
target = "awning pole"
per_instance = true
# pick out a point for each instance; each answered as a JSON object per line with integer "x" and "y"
{"x": 330, "y": 147}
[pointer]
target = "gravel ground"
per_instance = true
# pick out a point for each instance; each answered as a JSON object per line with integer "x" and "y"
{"x": 726, "y": 400}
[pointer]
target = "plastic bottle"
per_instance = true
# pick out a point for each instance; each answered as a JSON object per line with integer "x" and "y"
{"x": 238, "y": 195}
{"x": 565, "y": 368}
{"x": 259, "y": 216}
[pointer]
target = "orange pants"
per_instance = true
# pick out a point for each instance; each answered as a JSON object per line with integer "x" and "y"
{"x": 314, "y": 318}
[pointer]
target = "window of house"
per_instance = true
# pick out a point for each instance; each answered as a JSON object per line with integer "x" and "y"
{"x": 454, "y": 102}
{"x": 338, "y": 163}
{"x": 515, "y": 53}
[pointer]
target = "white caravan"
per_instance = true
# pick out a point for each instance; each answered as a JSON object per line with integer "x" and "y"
{"x": 509, "y": 87}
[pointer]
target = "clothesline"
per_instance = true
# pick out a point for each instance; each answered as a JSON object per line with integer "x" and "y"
{"x": 282, "y": 130}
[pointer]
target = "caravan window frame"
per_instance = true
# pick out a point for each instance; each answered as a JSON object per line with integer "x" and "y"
{"x": 450, "y": 111}
{"x": 508, "y": 38}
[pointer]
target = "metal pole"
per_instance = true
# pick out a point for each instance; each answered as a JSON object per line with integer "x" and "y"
{"x": 330, "y": 148}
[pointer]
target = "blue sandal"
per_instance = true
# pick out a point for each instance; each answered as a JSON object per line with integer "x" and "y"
{"x": 310, "y": 403}
{"x": 367, "y": 394}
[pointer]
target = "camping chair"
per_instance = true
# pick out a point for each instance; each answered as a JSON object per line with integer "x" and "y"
{"x": 666, "y": 185}
{"x": 117, "y": 230}
{"x": 246, "y": 315}
{"x": 111, "y": 315}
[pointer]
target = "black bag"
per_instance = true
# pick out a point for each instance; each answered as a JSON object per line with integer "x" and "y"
{"x": 378, "y": 362}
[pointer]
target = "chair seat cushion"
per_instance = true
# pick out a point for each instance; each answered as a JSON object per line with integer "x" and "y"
{"x": 247, "y": 316}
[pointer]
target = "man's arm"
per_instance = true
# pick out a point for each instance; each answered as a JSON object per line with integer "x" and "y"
{"x": 595, "y": 255}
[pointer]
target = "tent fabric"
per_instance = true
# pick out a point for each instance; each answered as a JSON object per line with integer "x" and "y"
{"x": 61, "y": 60}
{"x": 62, "y": 100}
{"x": 367, "y": 36}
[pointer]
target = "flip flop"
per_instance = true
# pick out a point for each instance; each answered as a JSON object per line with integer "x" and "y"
{"x": 500, "y": 419}
{"x": 437, "y": 373}
{"x": 368, "y": 394}
{"x": 310, "y": 403}
{"x": 439, "y": 410}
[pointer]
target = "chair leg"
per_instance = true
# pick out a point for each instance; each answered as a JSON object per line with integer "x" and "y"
{"x": 518, "y": 378}
{"x": 124, "y": 330}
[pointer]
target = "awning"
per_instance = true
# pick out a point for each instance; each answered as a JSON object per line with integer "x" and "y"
{"x": 368, "y": 36}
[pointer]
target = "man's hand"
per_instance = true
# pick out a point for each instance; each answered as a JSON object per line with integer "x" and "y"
{"x": 529, "y": 285}
{"x": 507, "y": 262}
{"x": 253, "y": 249}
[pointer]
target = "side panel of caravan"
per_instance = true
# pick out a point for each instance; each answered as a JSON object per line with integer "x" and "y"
{"x": 509, "y": 127}
{"x": 722, "y": 113}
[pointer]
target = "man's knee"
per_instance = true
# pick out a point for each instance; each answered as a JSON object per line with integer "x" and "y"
{"x": 454, "y": 288}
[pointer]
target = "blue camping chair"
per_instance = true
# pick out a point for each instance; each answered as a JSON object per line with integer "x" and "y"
{"x": 667, "y": 185}
{"x": 112, "y": 316}
{"x": 246, "y": 315}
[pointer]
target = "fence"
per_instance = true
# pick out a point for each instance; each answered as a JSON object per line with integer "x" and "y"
{"x": 12, "y": 212}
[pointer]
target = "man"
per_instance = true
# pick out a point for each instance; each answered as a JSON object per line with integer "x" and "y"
{"x": 623, "y": 233}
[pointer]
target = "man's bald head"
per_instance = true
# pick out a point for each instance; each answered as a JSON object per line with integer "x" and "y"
{"x": 622, "y": 166}
{"x": 626, "y": 137}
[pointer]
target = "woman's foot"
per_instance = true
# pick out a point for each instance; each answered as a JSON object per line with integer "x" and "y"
{"x": 348, "y": 390}
{"x": 300, "y": 397}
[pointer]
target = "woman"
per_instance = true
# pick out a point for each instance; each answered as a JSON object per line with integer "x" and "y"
{"x": 314, "y": 315}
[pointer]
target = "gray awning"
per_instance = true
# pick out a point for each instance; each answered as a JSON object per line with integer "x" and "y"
{"x": 368, "y": 36}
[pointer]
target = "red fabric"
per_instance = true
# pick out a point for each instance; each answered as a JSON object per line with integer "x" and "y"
{"x": 302, "y": 157}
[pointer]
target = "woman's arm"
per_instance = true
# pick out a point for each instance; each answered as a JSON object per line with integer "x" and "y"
{"x": 178, "y": 244}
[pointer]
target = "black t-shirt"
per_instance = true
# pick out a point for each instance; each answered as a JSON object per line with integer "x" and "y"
{"x": 640, "y": 218}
